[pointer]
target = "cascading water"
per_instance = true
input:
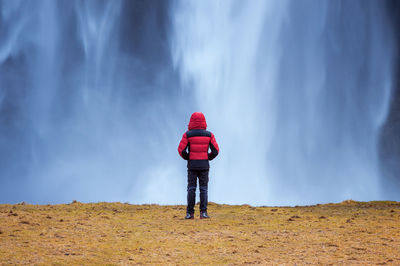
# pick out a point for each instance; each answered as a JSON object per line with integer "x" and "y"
{"x": 83, "y": 117}
{"x": 296, "y": 91}
{"x": 91, "y": 107}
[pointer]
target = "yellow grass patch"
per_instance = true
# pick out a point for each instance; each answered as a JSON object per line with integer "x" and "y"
{"x": 114, "y": 233}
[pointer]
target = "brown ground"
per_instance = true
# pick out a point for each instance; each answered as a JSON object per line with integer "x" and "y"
{"x": 115, "y": 233}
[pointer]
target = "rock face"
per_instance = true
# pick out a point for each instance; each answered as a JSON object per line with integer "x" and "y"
{"x": 390, "y": 134}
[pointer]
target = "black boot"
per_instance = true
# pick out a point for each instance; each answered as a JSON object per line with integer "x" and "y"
{"x": 189, "y": 216}
{"x": 204, "y": 215}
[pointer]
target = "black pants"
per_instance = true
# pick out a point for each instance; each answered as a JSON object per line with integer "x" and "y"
{"x": 191, "y": 189}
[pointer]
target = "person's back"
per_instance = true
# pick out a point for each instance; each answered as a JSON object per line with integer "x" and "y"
{"x": 194, "y": 148}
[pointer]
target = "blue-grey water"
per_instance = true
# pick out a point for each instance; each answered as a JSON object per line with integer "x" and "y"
{"x": 95, "y": 95}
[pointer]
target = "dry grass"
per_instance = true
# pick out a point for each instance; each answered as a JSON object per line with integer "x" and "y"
{"x": 115, "y": 233}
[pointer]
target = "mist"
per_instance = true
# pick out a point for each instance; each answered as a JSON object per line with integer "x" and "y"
{"x": 95, "y": 96}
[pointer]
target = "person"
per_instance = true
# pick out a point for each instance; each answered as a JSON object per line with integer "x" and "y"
{"x": 194, "y": 147}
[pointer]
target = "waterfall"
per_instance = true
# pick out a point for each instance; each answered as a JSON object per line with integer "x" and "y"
{"x": 295, "y": 91}
{"x": 95, "y": 96}
{"x": 83, "y": 111}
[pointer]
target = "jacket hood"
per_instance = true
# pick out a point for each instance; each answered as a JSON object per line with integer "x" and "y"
{"x": 197, "y": 121}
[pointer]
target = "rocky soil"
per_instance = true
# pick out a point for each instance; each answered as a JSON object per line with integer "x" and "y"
{"x": 115, "y": 233}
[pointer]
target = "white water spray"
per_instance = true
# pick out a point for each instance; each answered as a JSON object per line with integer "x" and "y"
{"x": 91, "y": 106}
{"x": 86, "y": 123}
{"x": 295, "y": 92}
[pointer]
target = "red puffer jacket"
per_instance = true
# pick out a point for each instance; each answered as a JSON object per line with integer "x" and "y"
{"x": 196, "y": 142}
